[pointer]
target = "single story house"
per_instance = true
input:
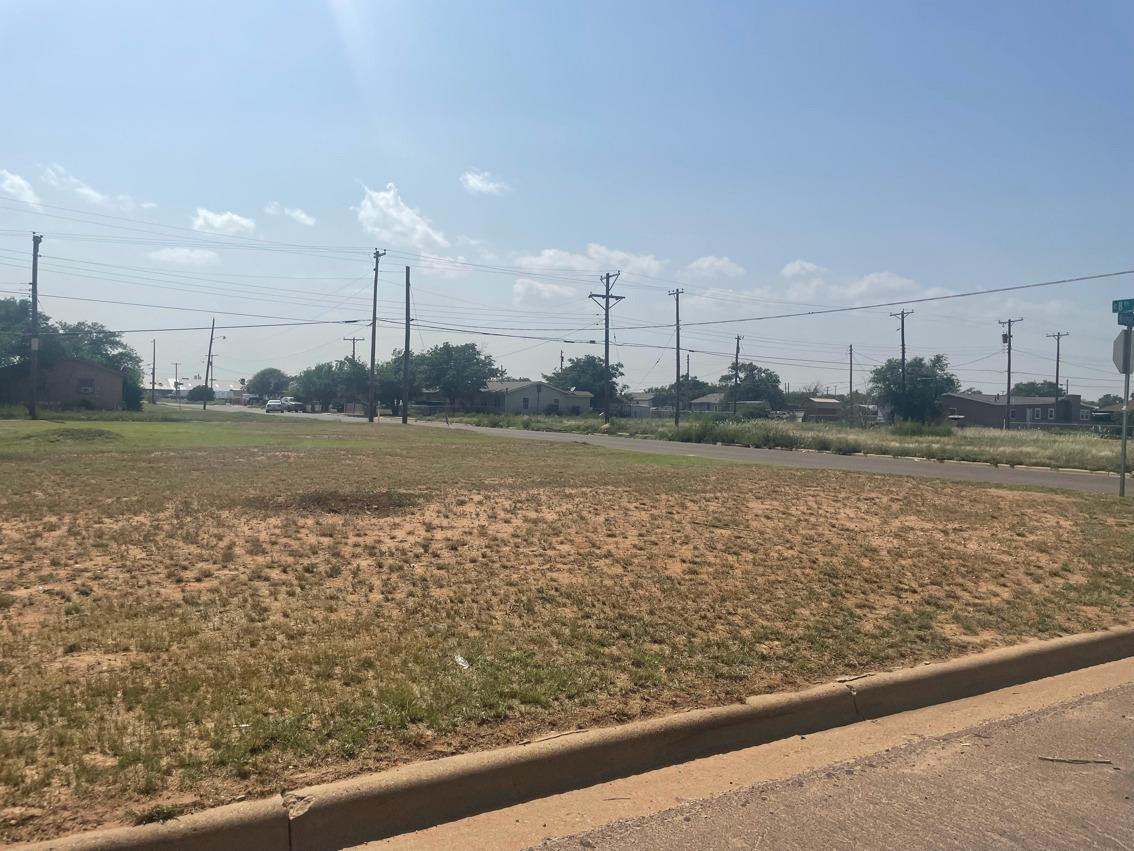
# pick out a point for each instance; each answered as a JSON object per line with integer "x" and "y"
{"x": 529, "y": 397}
{"x": 821, "y": 409}
{"x": 708, "y": 403}
{"x": 65, "y": 383}
{"x": 1111, "y": 413}
{"x": 991, "y": 409}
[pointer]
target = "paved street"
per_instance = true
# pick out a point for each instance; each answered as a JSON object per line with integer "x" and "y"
{"x": 988, "y": 787}
{"x": 961, "y": 775}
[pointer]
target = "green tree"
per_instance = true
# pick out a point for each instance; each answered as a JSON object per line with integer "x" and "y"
{"x": 270, "y": 383}
{"x": 587, "y": 373}
{"x": 688, "y": 388}
{"x": 757, "y": 384}
{"x": 457, "y": 371}
{"x": 15, "y": 316}
{"x": 1036, "y": 388}
{"x": 926, "y": 381}
{"x": 319, "y": 383}
{"x": 353, "y": 379}
{"x": 200, "y": 393}
{"x": 1107, "y": 399}
{"x": 389, "y": 380}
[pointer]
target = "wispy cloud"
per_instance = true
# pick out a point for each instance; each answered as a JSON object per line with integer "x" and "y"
{"x": 227, "y": 223}
{"x": 525, "y": 287}
{"x": 274, "y": 208}
{"x": 396, "y": 223}
{"x": 58, "y": 177}
{"x": 478, "y": 182}
{"x": 17, "y": 187}
{"x": 801, "y": 269}
{"x": 711, "y": 266}
{"x": 596, "y": 258}
{"x": 185, "y": 256}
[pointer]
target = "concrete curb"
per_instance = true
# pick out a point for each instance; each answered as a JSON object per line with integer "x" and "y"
{"x": 237, "y": 827}
{"x": 412, "y": 797}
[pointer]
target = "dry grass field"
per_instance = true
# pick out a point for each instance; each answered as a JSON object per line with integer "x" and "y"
{"x": 191, "y": 612}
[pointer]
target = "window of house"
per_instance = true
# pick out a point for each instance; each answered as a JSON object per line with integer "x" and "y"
{"x": 1051, "y": 413}
{"x": 1084, "y": 415}
{"x": 86, "y": 386}
{"x": 1011, "y": 413}
{"x": 525, "y": 404}
{"x": 1039, "y": 413}
{"x": 952, "y": 412}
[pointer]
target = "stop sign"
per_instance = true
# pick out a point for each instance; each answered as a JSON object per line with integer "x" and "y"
{"x": 1124, "y": 351}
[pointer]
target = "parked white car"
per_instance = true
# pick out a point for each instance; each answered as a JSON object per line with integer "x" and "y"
{"x": 274, "y": 406}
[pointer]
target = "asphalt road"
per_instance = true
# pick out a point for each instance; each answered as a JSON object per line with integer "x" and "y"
{"x": 950, "y": 470}
{"x": 1060, "y": 777}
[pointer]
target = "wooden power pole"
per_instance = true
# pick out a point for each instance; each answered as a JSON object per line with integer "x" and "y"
{"x": 608, "y": 301}
{"x": 677, "y": 371}
{"x": 378, "y": 255}
{"x": 33, "y": 388}
{"x": 406, "y": 356}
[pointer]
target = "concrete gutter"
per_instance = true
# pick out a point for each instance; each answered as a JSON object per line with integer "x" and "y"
{"x": 412, "y": 797}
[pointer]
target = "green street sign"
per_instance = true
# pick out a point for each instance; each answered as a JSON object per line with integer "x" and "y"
{"x": 1122, "y": 305}
{"x": 1126, "y": 318}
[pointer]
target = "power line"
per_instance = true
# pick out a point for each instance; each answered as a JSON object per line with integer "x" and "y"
{"x": 922, "y": 300}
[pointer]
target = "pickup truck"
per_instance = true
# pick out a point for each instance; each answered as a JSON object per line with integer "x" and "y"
{"x": 292, "y": 405}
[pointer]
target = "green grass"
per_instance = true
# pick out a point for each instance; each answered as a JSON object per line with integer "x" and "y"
{"x": 1075, "y": 450}
{"x": 195, "y": 611}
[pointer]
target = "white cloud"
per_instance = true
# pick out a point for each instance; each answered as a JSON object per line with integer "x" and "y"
{"x": 481, "y": 183}
{"x": 185, "y": 256}
{"x": 226, "y": 223}
{"x": 274, "y": 208}
{"x": 802, "y": 269}
{"x": 597, "y": 258}
{"x": 393, "y": 221}
{"x": 525, "y": 287}
{"x": 880, "y": 285}
{"x": 58, "y": 177}
{"x": 711, "y": 266}
{"x": 18, "y": 188}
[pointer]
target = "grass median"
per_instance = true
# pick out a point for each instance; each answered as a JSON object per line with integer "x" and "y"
{"x": 1071, "y": 449}
{"x": 195, "y": 611}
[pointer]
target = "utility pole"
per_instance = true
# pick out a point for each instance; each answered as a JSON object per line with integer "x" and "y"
{"x": 33, "y": 391}
{"x": 677, "y": 364}
{"x": 736, "y": 374}
{"x": 177, "y": 382}
{"x": 687, "y": 367}
{"x": 850, "y": 375}
{"x": 1058, "y": 335}
{"x": 902, "y": 314}
{"x": 406, "y": 357}
{"x": 561, "y": 360}
{"x": 354, "y": 341}
{"x": 208, "y": 366}
{"x": 378, "y": 255}
{"x": 1006, "y": 337}
{"x": 153, "y": 375}
{"x": 608, "y": 282}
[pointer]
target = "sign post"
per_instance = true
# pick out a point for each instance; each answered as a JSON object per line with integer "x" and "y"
{"x": 1124, "y": 360}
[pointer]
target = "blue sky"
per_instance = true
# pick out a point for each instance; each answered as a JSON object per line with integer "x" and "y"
{"x": 756, "y": 154}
